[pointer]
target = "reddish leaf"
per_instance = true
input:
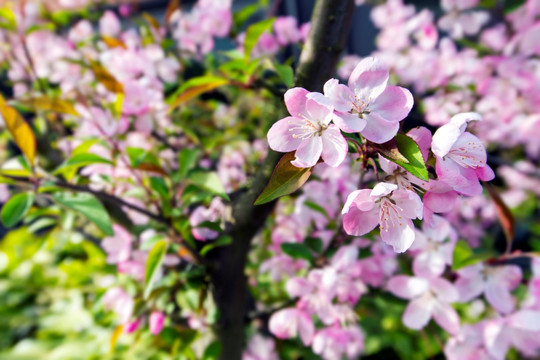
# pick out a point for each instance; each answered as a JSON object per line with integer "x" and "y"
{"x": 505, "y": 216}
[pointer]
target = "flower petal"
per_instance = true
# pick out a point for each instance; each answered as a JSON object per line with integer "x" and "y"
{"x": 369, "y": 78}
{"x": 308, "y": 153}
{"x": 418, "y": 313}
{"x": 295, "y": 100}
{"x": 446, "y": 317}
{"x": 444, "y": 138}
{"x": 394, "y": 103}
{"x": 399, "y": 234}
{"x": 334, "y": 146}
{"x": 379, "y": 130}
{"x": 280, "y": 137}
{"x": 407, "y": 287}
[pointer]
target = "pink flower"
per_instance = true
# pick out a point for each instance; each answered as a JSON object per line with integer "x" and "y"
{"x": 289, "y": 323}
{"x": 286, "y": 29}
{"x": 109, "y": 25}
{"x": 367, "y": 105}
{"x": 119, "y": 301}
{"x": 393, "y": 209}
{"x": 308, "y": 131}
{"x": 335, "y": 342}
{"x": 118, "y": 247}
{"x": 201, "y": 214}
{"x": 496, "y": 282}
{"x": 260, "y": 348}
{"x": 156, "y": 321}
{"x": 461, "y": 156}
{"x": 430, "y": 297}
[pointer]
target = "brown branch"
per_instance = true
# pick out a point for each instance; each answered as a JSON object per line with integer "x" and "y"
{"x": 330, "y": 25}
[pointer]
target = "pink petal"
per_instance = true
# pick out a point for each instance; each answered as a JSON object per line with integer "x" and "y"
{"x": 407, "y": 287}
{"x": 357, "y": 222}
{"x": 360, "y": 199}
{"x": 156, "y": 322}
{"x": 319, "y": 113}
{"x": 463, "y": 180}
{"x": 370, "y": 76}
{"x": 485, "y": 173}
{"x": 444, "y": 290}
{"x": 295, "y": 100}
{"x": 462, "y": 119}
{"x": 444, "y": 138}
{"x": 308, "y": 153}
{"x": 349, "y": 123}
{"x": 334, "y": 146}
{"x": 468, "y": 151}
{"x": 418, "y": 313}
{"x": 400, "y": 235}
{"x": 409, "y": 202}
{"x": 440, "y": 202}
{"x": 469, "y": 288}
{"x": 306, "y": 329}
{"x": 280, "y": 138}
{"x": 284, "y": 323}
{"x": 394, "y": 104}
{"x": 429, "y": 264}
{"x": 298, "y": 286}
{"x": 379, "y": 130}
{"x": 499, "y": 297}
{"x": 446, "y": 317}
{"x": 525, "y": 320}
{"x": 382, "y": 189}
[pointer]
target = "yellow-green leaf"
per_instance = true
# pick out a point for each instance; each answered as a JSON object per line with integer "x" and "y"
{"x": 20, "y": 130}
{"x": 153, "y": 262}
{"x": 106, "y": 78}
{"x": 285, "y": 179}
{"x": 195, "y": 87}
{"x": 50, "y": 104}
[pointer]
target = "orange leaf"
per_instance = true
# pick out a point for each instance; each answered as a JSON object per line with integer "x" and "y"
{"x": 504, "y": 214}
{"x": 115, "y": 335}
{"x": 106, "y": 78}
{"x": 20, "y": 130}
{"x": 151, "y": 168}
{"x": 171, "y": 8}
{"x": 197, "y": 90}
{"x": 113, "y": 42}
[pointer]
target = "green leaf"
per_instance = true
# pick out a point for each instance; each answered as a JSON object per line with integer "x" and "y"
{"x": 512, "y": 5}
{"x": 285, "y": 73}
{"x": 193, "y": 88}
{"x": 212, "y": 351}
{"x": 297, "y": 251}
{"x": 240, "y": 17}
{"x": 208, "y": 181}
{"x": 16, "y": 208}
{"x": 404, "y": 151}
{"x": 253, "y": 33}
{"x": 80, "y": 160}
{"x": 285, "y": 179}
{"x": 315, "y": 207}
{"x": 153, "y": 262}
{"x": 314, "y": 244}
{"x": 89, "y": 206}
{"x": 187, "y": 159}
{"x": 221, "y": 241}
{"x": 8, "y": 20}
{"x": 464, "y": 255}
{"x": 84, "y": 147}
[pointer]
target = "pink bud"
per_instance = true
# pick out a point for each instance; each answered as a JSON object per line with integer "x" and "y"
{"x": 156, "y": 321}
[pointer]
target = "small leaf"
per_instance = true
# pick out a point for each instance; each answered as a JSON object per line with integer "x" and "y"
{"x": 113, "y": 42}
{"x": 297, "y": 251}
{"x": 405, "y": 152}
{"x": 47, "y": 103}
{"x": 253, "y": 33}
{"x": 315, "y": 207}
{"x": 81, "y": 160}
{"x": 153, "y": 263}
{"x": 115, "y": 335}
{"x": 504, "y": 214}
{"x": 240, "y": 17}
{"x": 285, "y": 179}
{"x": 187, "y": 158}
{"x": 106, "y": 78}
{"x": 8, "y": 20}
{"x": 464, "y": 255}
{"x": 151, "y": 168}
{"x": 20, "y": 130}
{"x": 16, "y": 208}
{"x": 87, "y": 205}
{"x": 212, "y": 351}
{"x": 221, "y": 241}
{"x": 314, "y": 244}
{"x": 208, "y": 181}
{"x": 512, "y": 5}
{"x": 285, "y": 73}
{"x": 151, "y": 20}
{"x": 195, "y": 87}
{"x": 171, "y": 8}
{"x": 84, "y": 147}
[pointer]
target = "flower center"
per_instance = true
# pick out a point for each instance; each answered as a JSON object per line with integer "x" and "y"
{"x": 306, "y": 129}
{"x": 389, "y": 214}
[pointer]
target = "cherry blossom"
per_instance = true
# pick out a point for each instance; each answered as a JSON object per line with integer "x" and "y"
{"x": 308, "y": 131}
{"x": 386, "y": 205}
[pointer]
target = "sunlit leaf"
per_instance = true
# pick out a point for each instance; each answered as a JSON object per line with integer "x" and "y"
{"x": 208, "y": 181}
{"x": 253, "y": 33}
{"x": 104, "y": 77}
{"x": 153, "y": 263}
{"x": 195, "y": 87}
{"x": 20, "y": 130}
{"x": 47, "y": 103}
{"x": 464, "y": 255}
{"x": 297, "y": 251}
{"x": 113, "y": 42}
{"x": 16, "y": 208}
{"x": 221, "y": 241}
{"x": 87, "y": 205}
{"x": 285, "y": 179}
{"x": 115, "y": 335}
{"x": 405, "y": 152}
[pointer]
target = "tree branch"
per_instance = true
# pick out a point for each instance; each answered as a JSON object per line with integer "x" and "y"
{"x": 330, "y": 25}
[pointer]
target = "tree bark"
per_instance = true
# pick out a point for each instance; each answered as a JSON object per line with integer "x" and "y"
{"x": 330, "y": 24}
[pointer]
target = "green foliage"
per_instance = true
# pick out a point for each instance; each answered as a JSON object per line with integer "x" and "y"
{"x": 253, "y": 33}
{"x": 285, "y": 179}
{"x": 208, "y": 181}
{"x": 16, "y": 208}
{"x": 87, "y": 205}
{"x": 464, "y": 255}
{"x": 297, "y": 251}
{"x": 405, "y": 152}
{"x": 153, "y": 263}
